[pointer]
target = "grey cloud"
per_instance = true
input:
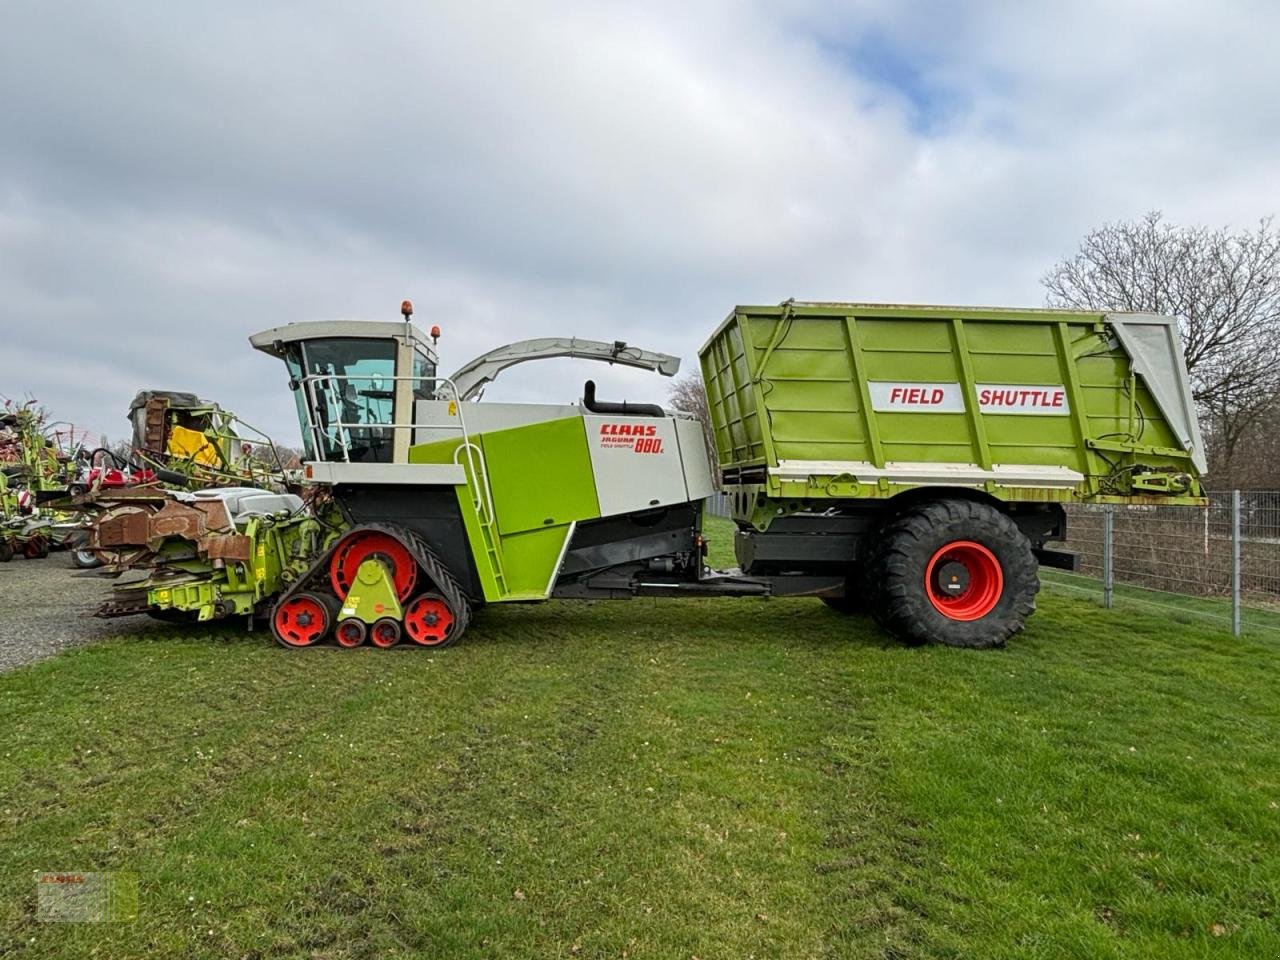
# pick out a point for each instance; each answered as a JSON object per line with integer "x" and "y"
{"x": 172, "y": 178}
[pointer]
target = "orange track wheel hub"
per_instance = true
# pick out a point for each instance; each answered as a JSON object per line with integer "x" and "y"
{"x": 350, "y": 633}
{"x": 300, "y": 621}
{"x": 428, "y": 620}
{"x": 385, "y": 633}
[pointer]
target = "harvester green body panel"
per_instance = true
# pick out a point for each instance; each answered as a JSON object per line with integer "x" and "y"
{"x": 840, "y": 401}
{"x": 373, "y": 595}
{"x": 539, "y": 485}
{"x": 540, "y": 475}
{"x": 528, "y": 486}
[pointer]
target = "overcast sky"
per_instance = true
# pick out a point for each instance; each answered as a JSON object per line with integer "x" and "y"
{"x": 174, "y": 177}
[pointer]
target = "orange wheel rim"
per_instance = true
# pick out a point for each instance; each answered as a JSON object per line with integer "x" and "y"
{"x": 964, "y": 581}
{"x": 300, "y": 621}
{"x": 350, "y": 633}
{"x": 429, "y": 621}
{"x": 359, "y": 547}
{"x": 384, "y": 633}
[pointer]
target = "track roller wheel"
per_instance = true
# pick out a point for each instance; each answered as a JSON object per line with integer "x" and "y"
{"x": 429, "y": 621}
{"x": 37, "y": 548}
{"x": 358, "y": 547}
{"x": 385, "y": 633}
{"x": 301, "y": 621}
{"x": 350, "y": 632}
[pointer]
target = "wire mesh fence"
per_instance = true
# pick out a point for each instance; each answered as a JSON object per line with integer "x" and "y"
{"x": 1226, "y": 556}
{"x": 719, "y": 505}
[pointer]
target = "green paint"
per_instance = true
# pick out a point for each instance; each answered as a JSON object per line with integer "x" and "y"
{"x": 539, "y": 482}
{"x": 531, "y": 559}
{"x": 791, "y": 383}
{"x": 540, "y": 475}
{"x": 373, "y": 595}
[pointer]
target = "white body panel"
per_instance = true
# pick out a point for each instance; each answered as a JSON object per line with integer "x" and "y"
{"x": 636, "y": 461}
{"x": 385, "y": 473}
{"x": 966, "y": 474}
{"x": 698, "y": 480}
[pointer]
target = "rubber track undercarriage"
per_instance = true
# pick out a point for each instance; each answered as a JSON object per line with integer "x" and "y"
{"x": 379, "y": 583}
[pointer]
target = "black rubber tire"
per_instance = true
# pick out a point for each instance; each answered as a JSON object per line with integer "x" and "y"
{"x": 901, "y": 556}
{"x": 6, "y": 550}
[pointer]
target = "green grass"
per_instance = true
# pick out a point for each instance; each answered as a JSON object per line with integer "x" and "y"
{"x": 657, "y": 779}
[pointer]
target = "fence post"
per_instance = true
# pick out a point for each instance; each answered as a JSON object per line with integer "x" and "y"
{"x": 1235, "y": 563}
{"x": 1108, "y": 555}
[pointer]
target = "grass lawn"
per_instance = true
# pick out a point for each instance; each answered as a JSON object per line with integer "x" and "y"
{"x": 665, "y": 779}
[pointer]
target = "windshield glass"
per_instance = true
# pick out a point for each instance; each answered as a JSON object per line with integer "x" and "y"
{"x": 349, "y": 386}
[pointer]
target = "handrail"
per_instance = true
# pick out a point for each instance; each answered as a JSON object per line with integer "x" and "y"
{"x": 318, "y": 432}
{"x": 474, "y": 452}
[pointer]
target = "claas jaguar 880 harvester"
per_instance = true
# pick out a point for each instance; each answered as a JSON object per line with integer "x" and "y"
{"x": 912, "y": 461}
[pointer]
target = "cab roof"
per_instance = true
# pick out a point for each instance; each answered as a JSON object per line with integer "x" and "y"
{"x": 272, "y": 341}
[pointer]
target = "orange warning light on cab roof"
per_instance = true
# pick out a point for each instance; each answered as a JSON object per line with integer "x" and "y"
{"x": 406, "y": 309}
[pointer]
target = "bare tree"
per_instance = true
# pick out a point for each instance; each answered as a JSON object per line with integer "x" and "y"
{"x": 688, "y": 394}
{"x": 1224, "y": 288}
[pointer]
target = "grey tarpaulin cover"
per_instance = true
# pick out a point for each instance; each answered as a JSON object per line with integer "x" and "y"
{"x": 1156, "y": 354}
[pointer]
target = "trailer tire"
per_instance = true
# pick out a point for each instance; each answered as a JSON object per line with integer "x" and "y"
{"x": 971, "y": 544}
{"x": 6, "y": 551}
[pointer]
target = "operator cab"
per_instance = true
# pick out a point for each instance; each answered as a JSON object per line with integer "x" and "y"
{"x": 355, "y": 383}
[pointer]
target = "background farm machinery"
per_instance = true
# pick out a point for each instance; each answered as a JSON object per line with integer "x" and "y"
{"x": 184, "y": 443}
{"x": 195, "y": 522}
{"x": 36, "y": 458}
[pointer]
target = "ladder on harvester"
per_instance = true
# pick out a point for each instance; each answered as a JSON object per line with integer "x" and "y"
{"x": 482, "y": 500}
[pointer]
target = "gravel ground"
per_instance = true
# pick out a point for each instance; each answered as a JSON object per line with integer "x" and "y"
{"x": 44, "y": 608}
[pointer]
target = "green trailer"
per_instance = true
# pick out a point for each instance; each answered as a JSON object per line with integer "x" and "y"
{"x": 927, "y": 451}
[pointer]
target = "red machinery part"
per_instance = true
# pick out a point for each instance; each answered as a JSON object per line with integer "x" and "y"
{"x": 113, "y": 477}
{"x": 428, "y": 620}
{"x": 964, "y": 580}
{"x": 350, "y": 632}
{"x": 37, "y": 548}
{"x": 385, "y": 633}
{"x": 359, "y": 546}
{"x": 300, "y": 621}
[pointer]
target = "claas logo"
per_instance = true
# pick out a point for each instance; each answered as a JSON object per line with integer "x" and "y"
{"x": 628, "y": 430}
{"x": 645, "y": 436}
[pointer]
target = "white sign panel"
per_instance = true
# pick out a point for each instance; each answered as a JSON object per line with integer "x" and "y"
{"x": 1041, "y": 401}
{"x": 889, "y": 397}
